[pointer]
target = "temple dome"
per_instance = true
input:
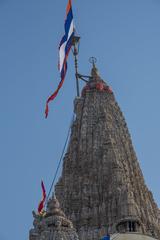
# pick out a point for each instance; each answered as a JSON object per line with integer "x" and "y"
{"x": 131, "y": 236}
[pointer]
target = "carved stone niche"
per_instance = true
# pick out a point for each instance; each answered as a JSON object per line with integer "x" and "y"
{"x": 129, "y": 224}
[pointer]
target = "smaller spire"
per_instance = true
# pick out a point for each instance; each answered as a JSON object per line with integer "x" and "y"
{"x": 53, "y": 207}
{"x": 53, "y": 225}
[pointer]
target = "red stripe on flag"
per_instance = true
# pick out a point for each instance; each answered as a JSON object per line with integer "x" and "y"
{"x": 69, "y": 6}
{"x": 43, "y": 190}
{"x": 52, "y": 97}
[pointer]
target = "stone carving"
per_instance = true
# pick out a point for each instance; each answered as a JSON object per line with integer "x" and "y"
{"x": 102, "y": 188}
{"x": 53, "y": 224}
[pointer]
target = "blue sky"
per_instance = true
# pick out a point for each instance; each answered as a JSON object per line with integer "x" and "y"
{"x": 124, "y": 36}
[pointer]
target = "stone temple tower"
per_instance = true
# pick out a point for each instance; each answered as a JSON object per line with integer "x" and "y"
{"x": 101, "y": 189}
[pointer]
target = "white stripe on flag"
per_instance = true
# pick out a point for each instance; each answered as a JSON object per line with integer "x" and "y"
{"x": 62, "y": 48}
{"x": 71, "y": 30}
{"x": 62, "y": 55}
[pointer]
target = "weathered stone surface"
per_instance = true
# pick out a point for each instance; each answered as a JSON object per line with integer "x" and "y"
{"x": 52, "y": 225}
{"x": 102, "y": 187}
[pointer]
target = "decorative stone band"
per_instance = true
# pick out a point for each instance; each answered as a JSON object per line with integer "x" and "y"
{"x": 99, "y": 86}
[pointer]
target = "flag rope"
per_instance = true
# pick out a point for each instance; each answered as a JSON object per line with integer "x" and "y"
{"x": 59, "y": 163}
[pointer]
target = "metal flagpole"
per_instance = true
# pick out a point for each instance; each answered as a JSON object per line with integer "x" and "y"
{"x": 75, "y": 50}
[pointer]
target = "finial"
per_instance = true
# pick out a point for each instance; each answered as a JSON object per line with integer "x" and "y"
{"x": 94, "y": 71}
{"x": 55, "y": 202}
{"x": 93, "y": 60}
{"x": 54, "y": 195}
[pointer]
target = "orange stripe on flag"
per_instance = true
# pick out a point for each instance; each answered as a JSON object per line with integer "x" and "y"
{"x": 69, "y": 6}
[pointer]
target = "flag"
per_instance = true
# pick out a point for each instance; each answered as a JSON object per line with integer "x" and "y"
{"x": 41, "y": 204}
{"x": 64, "y": 49}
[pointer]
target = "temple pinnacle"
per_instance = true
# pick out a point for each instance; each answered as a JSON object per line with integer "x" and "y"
{"x": 94, "y": 72}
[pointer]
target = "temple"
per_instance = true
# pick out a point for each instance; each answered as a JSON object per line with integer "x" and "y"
{"x": 101, "y": 190}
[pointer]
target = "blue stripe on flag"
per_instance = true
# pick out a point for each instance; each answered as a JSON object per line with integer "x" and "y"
{"x": 64, "y": 39}
{"x": 63, "y": 72}
{"x": 68, "y": 22}
{"x": 67, "y": 28}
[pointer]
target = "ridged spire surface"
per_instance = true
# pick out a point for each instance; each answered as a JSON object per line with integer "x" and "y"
{"x": 102, "y": 188}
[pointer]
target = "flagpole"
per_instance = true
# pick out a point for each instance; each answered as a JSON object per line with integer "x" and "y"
{"x": 75, "y": 43}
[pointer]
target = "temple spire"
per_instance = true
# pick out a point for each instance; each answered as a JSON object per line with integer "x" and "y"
{"x": 102, "y": 189}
